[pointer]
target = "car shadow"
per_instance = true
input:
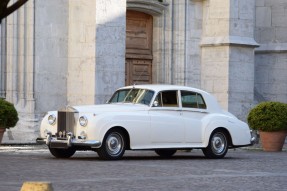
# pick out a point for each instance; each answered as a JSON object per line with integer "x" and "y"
{"x": 141, "y": 158}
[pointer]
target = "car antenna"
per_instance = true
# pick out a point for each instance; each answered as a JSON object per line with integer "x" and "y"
{"x": 144, "y": 70}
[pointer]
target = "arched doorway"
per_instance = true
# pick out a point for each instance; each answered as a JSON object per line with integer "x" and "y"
{"x": 139, "y": 57}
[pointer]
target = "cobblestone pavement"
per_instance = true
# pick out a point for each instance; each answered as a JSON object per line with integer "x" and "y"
{"x": 241, "y": 169}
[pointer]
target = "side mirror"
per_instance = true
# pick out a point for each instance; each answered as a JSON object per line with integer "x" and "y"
{"x": 155, "y": 104}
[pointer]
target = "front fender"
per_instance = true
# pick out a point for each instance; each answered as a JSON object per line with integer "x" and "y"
{"x": 137, "y": 124}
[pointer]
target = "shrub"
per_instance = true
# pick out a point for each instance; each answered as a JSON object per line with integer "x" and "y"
{"x": 8, "y": 114}
{"x": 268, "y": 116}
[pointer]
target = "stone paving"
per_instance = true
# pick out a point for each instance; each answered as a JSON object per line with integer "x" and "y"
{"x": 241, "y": 169}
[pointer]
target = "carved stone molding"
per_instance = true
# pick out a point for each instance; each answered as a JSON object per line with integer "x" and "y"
{"x": 228, "y": 40}
{"x": 152, "y": 7}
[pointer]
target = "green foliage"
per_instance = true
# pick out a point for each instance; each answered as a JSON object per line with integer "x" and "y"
{"x": 268, "y": 116}
{"x": 8, "y": 114}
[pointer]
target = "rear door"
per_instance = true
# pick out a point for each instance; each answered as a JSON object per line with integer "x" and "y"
{"x": 193, "y": 111}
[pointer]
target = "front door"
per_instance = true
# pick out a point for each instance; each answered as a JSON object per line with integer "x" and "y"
{"x": 167, "y": 124}
{"x": 138, "y": 48}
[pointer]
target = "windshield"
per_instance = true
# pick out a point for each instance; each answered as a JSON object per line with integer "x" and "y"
{"x": 132, "y": 95}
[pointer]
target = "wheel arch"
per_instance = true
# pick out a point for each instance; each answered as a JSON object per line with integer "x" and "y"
{"x": 126, "y": 134}
{"x": 217, "y": 147}
{"x": 227, "y": 133}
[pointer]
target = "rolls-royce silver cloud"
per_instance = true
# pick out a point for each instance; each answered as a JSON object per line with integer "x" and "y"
{"x": 163, "y": 118}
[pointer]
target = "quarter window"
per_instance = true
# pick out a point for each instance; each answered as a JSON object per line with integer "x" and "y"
{"x": 192, "y": 100}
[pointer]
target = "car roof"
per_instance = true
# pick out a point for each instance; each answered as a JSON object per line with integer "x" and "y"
{"x": 212, "y": 104}
{"x": 161, "y": 87}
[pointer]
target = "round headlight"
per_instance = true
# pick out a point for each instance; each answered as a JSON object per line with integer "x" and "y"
{"x": 52, "y": 119}
{"x": 83, "y": 121}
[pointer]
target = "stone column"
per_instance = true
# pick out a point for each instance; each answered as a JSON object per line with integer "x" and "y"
{"x": 176, "y": 50}
{"x": 170, "y": 32}
{"x": 228, "y": 53}
{"x": 19, "y": 61}
{"x": 3, "y": 59}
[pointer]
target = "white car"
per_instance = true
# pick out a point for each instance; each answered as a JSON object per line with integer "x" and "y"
{"x": 163, "y": 118}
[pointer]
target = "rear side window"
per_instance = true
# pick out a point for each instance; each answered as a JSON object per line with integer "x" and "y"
{"x": 192, "y": 100}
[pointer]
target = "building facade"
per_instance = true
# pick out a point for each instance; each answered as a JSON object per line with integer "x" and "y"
{"x": 57, "y": 53}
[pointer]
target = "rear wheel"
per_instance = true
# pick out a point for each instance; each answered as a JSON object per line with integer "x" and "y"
{"x": 218, "y": 145}
{"x": 62, "y": 153}
{"x": 165, "y": 153}
{"x": 113, "y": 147}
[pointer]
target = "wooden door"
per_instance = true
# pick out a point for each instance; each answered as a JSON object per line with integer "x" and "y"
{"x": 138, "y": 48}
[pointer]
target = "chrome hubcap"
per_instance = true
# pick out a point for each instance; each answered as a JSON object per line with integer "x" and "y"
{"x": 218, "y": 143}
{"x": 114, "y": 143}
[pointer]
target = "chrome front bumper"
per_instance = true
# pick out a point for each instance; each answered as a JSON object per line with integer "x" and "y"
{"x": 54, "y": 142}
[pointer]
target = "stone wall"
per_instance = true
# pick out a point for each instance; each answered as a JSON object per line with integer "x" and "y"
{"x": 96, "y": 50}
{"x": 271, "y": 56}
{"x": 61, "y": 53}
{"x": 51, "y": 54}
{"x": 110, "y": 48}
{"x": 73, "y": 52}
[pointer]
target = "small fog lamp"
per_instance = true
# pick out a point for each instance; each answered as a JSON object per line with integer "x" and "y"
{"x": 83, "y": 135}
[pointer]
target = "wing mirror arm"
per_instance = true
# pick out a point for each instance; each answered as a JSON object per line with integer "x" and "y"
{"x": 155, "y": 104}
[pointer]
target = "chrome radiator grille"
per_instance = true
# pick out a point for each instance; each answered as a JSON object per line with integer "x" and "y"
{"x": 66, "y": 123}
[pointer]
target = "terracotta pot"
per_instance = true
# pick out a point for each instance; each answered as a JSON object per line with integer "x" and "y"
{"x": 272, "y": 141}
{"x": 2, "y": 131}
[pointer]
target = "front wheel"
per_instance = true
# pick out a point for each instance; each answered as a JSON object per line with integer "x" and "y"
{"x": 113, "y": 147}
{"x": 165, "y": 153}
{"x": 62, "y": 153}
{"x": 217, "y": 147}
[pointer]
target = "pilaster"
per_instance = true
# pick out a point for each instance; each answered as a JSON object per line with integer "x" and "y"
{"x": 51, "y": 54}
{"x": 81, "y": 52}
{"x": 271, "y": 56}
{"x": 228, "y": 53}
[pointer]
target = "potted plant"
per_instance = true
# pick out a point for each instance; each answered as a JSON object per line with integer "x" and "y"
{"x": 270, "y": 119}
{"x": 8, "y": 116}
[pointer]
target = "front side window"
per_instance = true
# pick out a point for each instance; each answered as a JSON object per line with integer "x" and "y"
{"x": 119, "y": 96}
{"x": 192, "y": 100}
{"x": 133, "y": 95}
{"x": 167, "y": 99}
